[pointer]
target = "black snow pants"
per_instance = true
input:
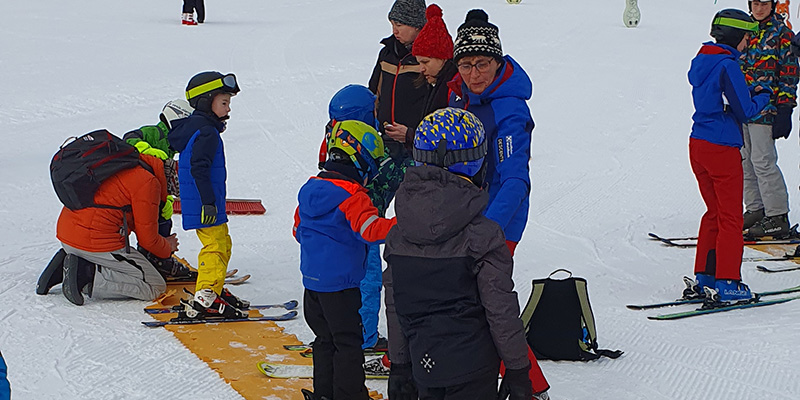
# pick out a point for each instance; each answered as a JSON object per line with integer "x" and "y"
{"x": 338, "y": 358}
{"x": 189, "y": 6}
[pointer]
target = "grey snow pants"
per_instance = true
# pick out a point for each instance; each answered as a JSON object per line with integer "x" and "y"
{"x": 764, "y": 186}
{"x": 122, "y": 274}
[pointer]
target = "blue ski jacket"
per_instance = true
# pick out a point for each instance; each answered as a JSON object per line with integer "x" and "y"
{"x": 334, "y": 222}
{"x": 5, "y": 388}
{"x": 721, "y": 96}
{"x": 201, "y": 166}
{"x": 504, "y": 112}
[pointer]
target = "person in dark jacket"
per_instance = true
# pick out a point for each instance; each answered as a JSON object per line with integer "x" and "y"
{"x": 722, "y": 103}
{"x": 334, "y": 223}
{"x": 451, "y": 272}
{"x": 496, "y": 89}
{"x": 395, "y": 80}
{"x": 433, "y": 50}
{"x": 202, "y": 176}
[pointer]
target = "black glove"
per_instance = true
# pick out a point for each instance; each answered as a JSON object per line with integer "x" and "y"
{"x": 401, "y": 383}
{"x": 208, "y": 215}
{"x": 516, "y": 385}
{"x": 782, "y": 126}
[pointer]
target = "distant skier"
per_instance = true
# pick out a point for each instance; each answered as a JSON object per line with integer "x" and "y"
{"x": 451, "y": 273}
{"x": 202, "y": 175}
{"x": 152, "y": 140}
{"x": 768, "y": 64}
{"x": 334, "y": 223}
{"x": 722, "y": 104}
{"x": 189, "y": 7}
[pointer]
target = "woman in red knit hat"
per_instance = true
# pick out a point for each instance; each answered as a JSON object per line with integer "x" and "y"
{"x": 434, "y": 52}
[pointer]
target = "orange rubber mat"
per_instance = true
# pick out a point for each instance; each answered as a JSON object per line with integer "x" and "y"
{"x": 234, "y": 349}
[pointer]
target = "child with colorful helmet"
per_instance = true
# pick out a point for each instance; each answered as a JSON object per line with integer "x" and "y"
{"x": 723, "y": 103}
{"x": 202, "y": 175}
{"x": 334, "y": 220}
{"x": 445, "y": 252}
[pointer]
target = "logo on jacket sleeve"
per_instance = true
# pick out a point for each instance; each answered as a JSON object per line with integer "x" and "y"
{"x": 500, "y": 155}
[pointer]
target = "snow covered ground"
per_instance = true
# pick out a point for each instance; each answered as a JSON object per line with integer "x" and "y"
{"x": 609, "y": 163}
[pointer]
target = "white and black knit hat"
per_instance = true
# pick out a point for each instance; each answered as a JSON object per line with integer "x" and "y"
{"x": 408, "y": 12}
{"x": 477, "y": 37}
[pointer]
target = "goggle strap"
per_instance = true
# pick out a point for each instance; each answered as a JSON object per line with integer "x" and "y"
{"x": 450, "y": 157}
{"x": 736, "y": 23}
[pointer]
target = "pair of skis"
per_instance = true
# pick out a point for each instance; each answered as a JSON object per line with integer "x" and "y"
{"x": 373, "y": 369}
{"x": 756, "y": 301}
{"x": 289, "y": 307}
{"x": 691, "y": 241}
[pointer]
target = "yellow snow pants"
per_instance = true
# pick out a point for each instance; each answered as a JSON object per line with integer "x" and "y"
{"x": 213, "y": 258}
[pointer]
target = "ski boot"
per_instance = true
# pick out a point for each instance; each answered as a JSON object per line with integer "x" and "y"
{"x": 169, "y": 268}
{"x": 309, "y": 395}
{"x": 53, "y": 274}
{"x": 233, "y": 300}
{"x": 376, "y": 368}
{"x": 776, "y": 226}
{"x": 726, "y": 292}
{"x": 207, "y": 305}
{"x": 695, "y": 287}
{"x": 751, "y": 218}
{"x": 78, "y": 278}
{"x": 188, "y": 19}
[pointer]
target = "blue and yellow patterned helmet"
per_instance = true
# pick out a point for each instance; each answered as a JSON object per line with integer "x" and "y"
{"x": 358, "y": 141}
{"x": 453, "y": 139}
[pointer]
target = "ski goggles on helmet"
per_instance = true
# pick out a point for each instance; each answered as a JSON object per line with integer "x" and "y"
{"x": 227, "y": 84}
{"x": 749, "y": 26}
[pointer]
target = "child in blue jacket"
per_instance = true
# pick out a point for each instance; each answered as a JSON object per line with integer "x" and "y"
{"x": 335, "y": 222}
{"x": 722, "y": 103}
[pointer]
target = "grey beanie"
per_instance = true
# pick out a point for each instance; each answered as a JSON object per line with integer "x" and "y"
{"x": 408, "y": 12}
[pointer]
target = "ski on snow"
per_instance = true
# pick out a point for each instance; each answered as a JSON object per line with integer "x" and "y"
{"x": 755, "y": 302}
{"x": 306, "y": 351}
{"x": 283, "y": 317}
{"x": 373, "y": 369}
{"x": 289, "y": 305}
{"x": 691, "y": 241}
{"x": 772, "y": 270}
{"x": 228, "y": 281}
{"x": 700, "y": 301}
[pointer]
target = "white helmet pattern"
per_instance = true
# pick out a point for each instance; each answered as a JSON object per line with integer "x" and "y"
{"x": 175, "y": 110}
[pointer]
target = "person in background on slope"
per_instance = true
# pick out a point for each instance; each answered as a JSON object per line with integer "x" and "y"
{"x": 97, "y": 260}
{"x": 722, "y": 104}
{"x": 433, "y": 50}
{"x": 496, "y": 89}
{"x": 152, "y": 140}
{"x": 189, "y": 6}
{"x": 767, "y": 63}
{"x": 202, "y": 175}
{"x": 334, "y": 223}
{"x": 5, "y": 387}
{"x": 451, "y": 269}
{"x": 396, "y": 81}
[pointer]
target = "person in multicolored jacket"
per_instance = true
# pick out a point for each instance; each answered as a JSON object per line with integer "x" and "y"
{"x": 335, "y": 223}
{"x": 152, "y": 140}
{"x": 767, "y": 63}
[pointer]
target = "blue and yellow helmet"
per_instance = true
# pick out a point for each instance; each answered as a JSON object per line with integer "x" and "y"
{"x": 453, "y": 139}
{"x": 360, "y": 143}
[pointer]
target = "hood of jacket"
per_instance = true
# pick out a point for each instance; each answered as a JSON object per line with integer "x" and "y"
{"x": 183, "y": 129}
{"x": 433, "y": 205}
{"x": 708, "y": 57}
{"x": 511, "y": 81}
{"x": 317, "y": 197}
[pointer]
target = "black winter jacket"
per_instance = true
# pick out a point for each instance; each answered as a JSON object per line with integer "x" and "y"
{"x": 451, "y": 282}
{"x": 439, "y": 94}
{"x": 400, "y": 99}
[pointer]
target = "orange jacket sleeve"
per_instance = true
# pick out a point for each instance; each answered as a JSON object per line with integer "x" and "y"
{"x": 364, "y": 220}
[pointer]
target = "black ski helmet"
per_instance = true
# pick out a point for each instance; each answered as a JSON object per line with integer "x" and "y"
{"x": 730, "y": 25}
{"x": 204, "y": 86}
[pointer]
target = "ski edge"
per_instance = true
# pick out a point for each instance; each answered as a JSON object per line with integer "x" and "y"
{"x": 697, "y": 312}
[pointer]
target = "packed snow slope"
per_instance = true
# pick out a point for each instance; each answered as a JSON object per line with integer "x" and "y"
{"x": 609, "y": 163}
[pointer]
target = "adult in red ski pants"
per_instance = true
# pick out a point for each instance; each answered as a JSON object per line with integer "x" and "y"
{"x": 538, "y": 381}
{"x": 718, "y": 170}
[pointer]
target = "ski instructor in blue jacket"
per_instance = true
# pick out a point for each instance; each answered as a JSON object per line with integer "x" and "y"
{"x": 496, "y": 89}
